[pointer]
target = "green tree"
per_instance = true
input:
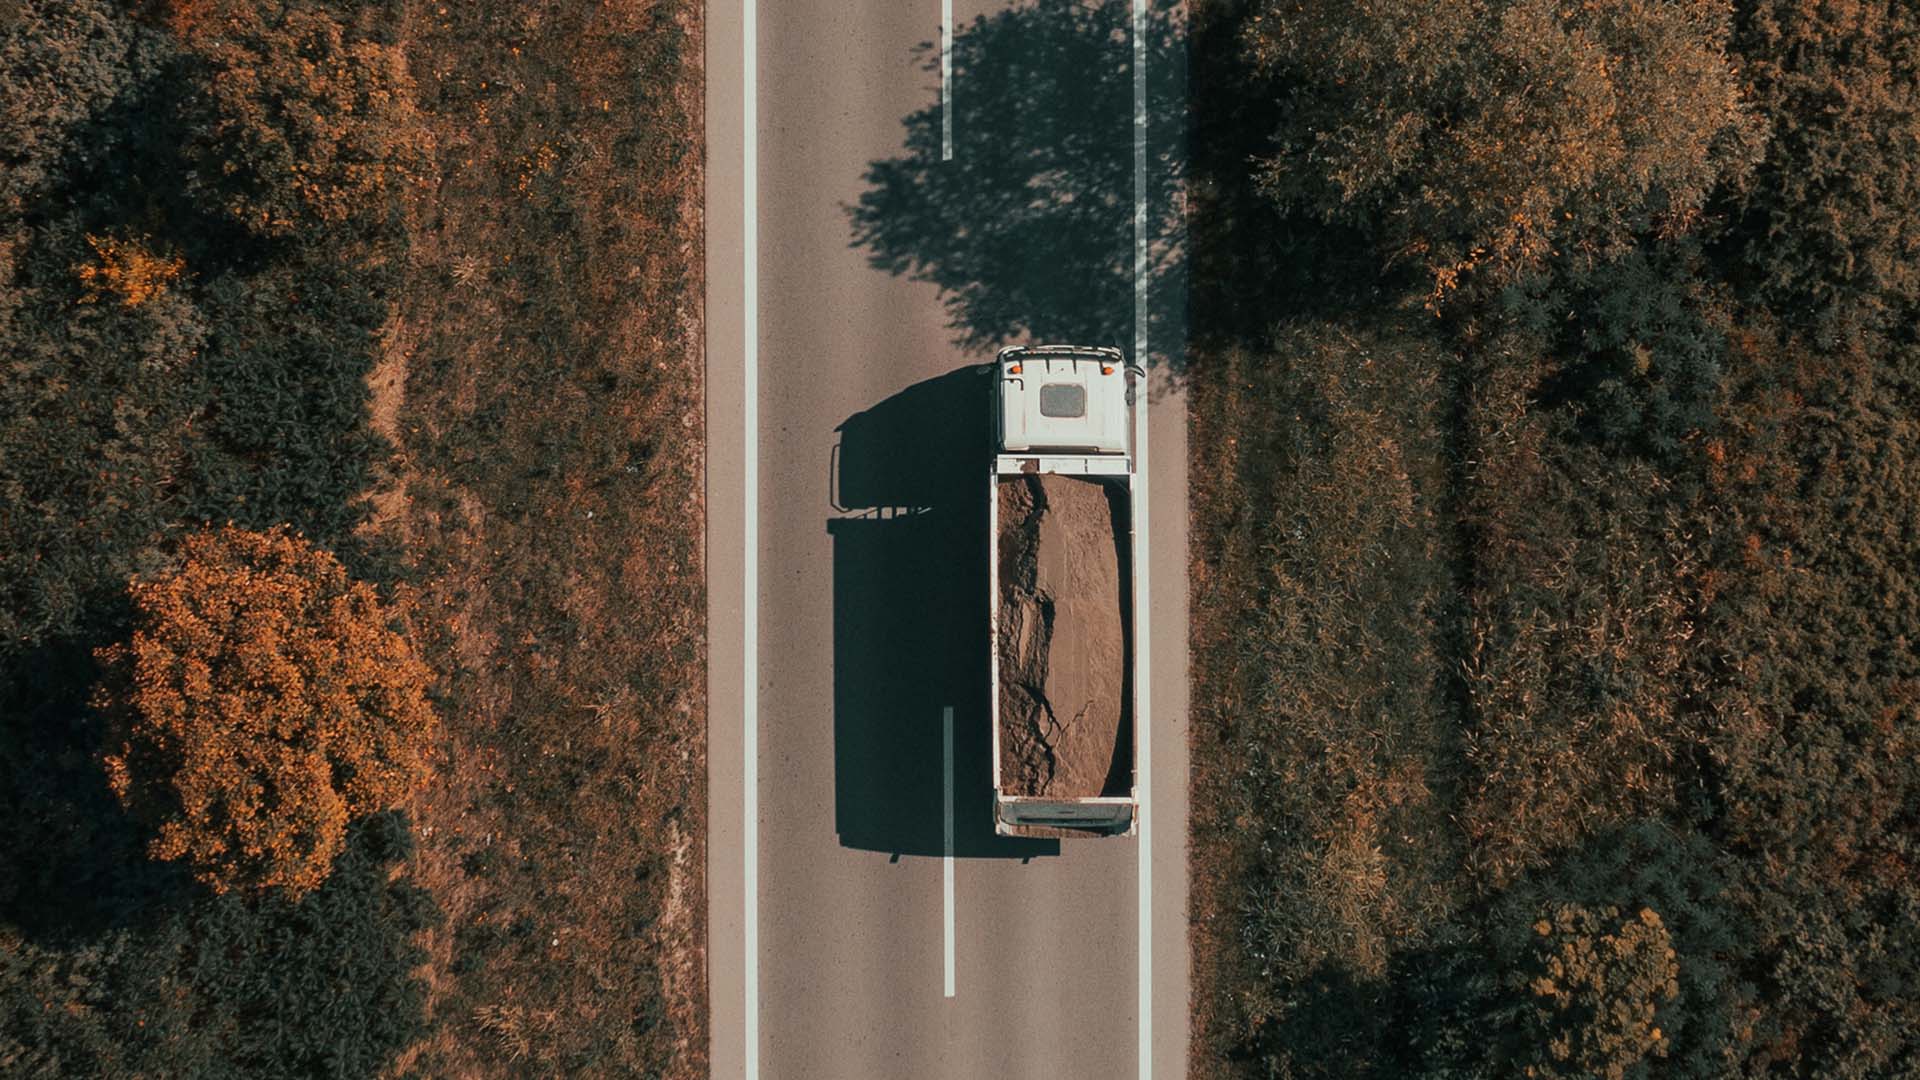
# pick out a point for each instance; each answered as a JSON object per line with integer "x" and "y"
{"x": 1828, "y": 226}
{"x": 303, "y": 125}
{"x": 61, "y": 63}
{"x": 1489, "y": 135}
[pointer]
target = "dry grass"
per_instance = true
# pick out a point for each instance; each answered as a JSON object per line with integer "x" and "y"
{"x": 1325, "y": 761}
{"x": 542, "y": 379}
{"x": 1579, "y": 631}
{"x": 1438, "y": 646}
{"x": 1361, "y": 778}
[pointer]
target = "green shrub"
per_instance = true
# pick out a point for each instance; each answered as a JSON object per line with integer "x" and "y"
{"x": 243, "y": 399}
{"x": 1681, "y": 877}
{"x": 95, "y": 407}
{"x": 1812, "y": 711}
{"x": 1577, "y": 626}
{"x": 322, "y": 987}
{"x": 1322, "y": 585}
{"x": 285, "y": 439}
{"x": 1826, "y": 229}
{"x": 1634, "y": 349}
{"x": 230, "y": 987}
{"x": 1815, "y": 720}
{"x": 62, "y": 62}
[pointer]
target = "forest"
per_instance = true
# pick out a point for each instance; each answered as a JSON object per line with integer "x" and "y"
{"x": 1556, "y": 395}
{"x": 293, "y": 619}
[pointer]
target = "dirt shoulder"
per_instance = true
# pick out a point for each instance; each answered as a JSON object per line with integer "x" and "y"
{"x": 543, "y": 379}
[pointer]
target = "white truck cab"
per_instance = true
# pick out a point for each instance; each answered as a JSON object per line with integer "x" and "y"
{"x": 1063, "y": 399}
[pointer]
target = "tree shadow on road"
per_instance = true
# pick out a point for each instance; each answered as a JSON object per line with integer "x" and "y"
{"x": 910, "y": 629}
{"x": 1028, "y": 231}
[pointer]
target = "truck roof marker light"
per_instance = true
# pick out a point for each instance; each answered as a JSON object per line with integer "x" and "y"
{"x": 1013, "y": 369}
{"x": 1106, "y": 369}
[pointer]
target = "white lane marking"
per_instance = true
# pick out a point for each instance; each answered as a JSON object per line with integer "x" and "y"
{"x": 947, "y": 861}
{"x": 750, "y": 645}
{"x": 1143, "y": 666}
{"x": 946, "y": 83}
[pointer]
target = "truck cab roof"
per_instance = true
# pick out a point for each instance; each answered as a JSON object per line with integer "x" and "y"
{"x": 1060, "y": 398}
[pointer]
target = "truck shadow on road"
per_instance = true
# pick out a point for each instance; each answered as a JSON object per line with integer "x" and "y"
{"x": 910, "y": 631}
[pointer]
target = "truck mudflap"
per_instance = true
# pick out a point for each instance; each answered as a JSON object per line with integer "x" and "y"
{"x": 1020, "y": 815}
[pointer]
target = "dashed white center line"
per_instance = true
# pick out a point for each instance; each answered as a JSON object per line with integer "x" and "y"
{"x": 947, "y": 860}
{"x": 946, "y": 81}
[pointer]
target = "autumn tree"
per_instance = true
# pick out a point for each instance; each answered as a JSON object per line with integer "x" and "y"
{"x": 304, "y": 123}
{"x": 263, "y": 702}
{"x": 1471, "y": 135}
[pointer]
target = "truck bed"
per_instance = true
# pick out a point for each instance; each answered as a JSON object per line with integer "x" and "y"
{"x": 1064, "y": 636}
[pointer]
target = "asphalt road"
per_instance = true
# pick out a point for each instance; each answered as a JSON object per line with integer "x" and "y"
{"x": 869, "y": 513}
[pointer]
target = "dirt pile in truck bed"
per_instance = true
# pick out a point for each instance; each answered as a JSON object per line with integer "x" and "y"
{"x": 1063, "y": 623}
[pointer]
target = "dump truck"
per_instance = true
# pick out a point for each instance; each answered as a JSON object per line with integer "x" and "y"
{"x": 1061, "y": 550}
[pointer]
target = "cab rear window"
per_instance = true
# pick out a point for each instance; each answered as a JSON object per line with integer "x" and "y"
{"x": 1063, "y": 399}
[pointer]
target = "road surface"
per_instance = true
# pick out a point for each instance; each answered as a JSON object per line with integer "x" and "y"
{"x": 901, "y": 237}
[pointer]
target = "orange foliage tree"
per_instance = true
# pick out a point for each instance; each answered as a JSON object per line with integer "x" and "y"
{"x": 263, "y": 702}
{"x": 128, "y": 269}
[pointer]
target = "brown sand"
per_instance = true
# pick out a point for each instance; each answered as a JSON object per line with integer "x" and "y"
{"x": 1063, "y": 649}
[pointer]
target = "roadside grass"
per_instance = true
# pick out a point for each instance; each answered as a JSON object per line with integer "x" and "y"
{"x": 1436, "y": 642}
{"x": 1573, "y": 613}
{"x": 1325, "y": 759}
{"x": 1439, "y": 652}
{"x": 542, "y": 377}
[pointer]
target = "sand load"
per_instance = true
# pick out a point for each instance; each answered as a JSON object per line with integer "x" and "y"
{"x": 1065, "y": 705}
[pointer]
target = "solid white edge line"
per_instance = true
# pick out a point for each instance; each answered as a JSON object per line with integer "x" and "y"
{"x": 946, "y": 80}
{"x": 750, "y": 645}
{"x": 1143, "y": 659}
{"x": 947, "y": 861}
